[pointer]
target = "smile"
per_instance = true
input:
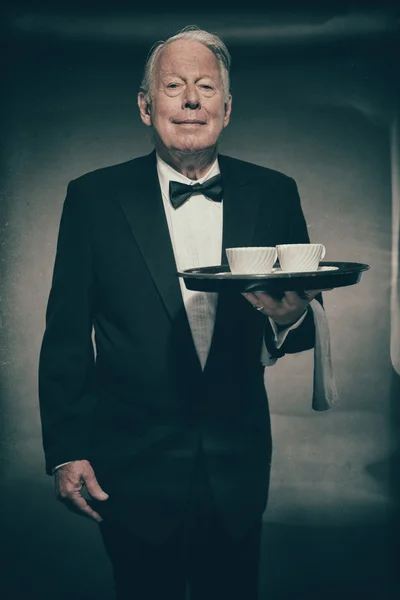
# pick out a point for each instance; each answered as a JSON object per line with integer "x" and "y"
{"x": 189, "y": 122}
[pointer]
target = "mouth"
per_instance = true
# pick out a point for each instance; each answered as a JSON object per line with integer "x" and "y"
{"x": 189, "y": 122}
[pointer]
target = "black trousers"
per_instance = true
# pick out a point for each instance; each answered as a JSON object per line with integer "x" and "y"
{"x": 200, "y": 555}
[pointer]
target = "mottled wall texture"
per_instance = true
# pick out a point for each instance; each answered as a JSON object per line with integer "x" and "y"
{"x": 318, "y": 106}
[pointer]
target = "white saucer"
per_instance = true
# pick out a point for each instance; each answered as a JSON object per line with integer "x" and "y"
{"x": 278, "y": 271}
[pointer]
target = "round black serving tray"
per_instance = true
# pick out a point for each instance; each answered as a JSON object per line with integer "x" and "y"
{"x": 219, "y": 278}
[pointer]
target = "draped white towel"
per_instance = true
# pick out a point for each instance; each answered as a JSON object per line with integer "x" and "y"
{"x": 325, "y": 393}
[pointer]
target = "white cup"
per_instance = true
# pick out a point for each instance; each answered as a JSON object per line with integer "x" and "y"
{"x": 300, "y": 257}
{"x": 252, "y": 260}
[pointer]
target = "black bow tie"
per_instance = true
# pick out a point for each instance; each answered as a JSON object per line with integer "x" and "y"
{"x": 180, "y": 192}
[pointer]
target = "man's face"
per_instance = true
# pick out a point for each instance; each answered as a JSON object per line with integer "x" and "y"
{"x": 188, "y": 109}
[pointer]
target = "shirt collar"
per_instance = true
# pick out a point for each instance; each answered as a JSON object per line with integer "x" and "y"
{"x": 166, "y": 174}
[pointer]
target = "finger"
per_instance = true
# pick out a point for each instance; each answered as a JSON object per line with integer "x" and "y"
{"x": 313, "y": 293}
{"x": 258, "y": 298}
{"x": 294, "y": 299}
{"x": 303, "y": 295}
{"x": 252, "y": 298}
{"x": 310, "y": 295}
{"x": 79, "y": 505}
{"x": 94, "y": 488}
{"x": 307, "y": 295}
{"x": 267, "y": 299}
{"x": 266, "y": 305}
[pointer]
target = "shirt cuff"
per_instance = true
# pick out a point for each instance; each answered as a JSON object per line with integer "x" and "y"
{"x": 280, "y": 336}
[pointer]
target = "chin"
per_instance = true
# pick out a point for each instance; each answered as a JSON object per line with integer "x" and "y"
{"x": 190, "y": 149}
{"x": 193, "y": 146}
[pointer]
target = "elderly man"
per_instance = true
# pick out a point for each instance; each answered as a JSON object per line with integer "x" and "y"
{"x": 162, "y": 435}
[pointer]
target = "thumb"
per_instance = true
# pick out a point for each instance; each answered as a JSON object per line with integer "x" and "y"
{"x": 93, "y": 487}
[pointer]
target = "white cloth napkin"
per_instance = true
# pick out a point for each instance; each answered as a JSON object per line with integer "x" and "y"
{"x": 325, "y": 393}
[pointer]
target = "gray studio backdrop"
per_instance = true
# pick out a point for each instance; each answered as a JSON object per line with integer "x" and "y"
{"x": 321, "y": 111}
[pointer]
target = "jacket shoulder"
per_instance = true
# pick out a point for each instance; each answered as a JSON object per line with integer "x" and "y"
{"x": 253, "y": 171}
{"x": 108, "y": 175}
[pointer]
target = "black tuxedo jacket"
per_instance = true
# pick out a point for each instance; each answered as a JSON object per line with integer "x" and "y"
{"x": 140, "y": 406}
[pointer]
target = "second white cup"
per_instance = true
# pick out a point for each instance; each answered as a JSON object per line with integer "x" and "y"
{"x": 300, "y": 257}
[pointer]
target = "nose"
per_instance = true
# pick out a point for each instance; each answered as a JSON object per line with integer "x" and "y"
{"x": 191, "y": 98}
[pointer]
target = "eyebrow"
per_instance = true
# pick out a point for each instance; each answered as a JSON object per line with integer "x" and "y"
{"x": 172, "y": 74}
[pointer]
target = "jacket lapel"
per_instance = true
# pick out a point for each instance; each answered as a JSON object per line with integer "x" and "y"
{"x": 240, "y": 205}
{"x": 141, "y": 201}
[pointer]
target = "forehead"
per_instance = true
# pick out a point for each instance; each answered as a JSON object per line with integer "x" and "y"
{"x": 188, "y": 57}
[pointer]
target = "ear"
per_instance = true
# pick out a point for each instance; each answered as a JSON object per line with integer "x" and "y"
{"x": 228, "y": 110}
{"x": 144, "y": 109}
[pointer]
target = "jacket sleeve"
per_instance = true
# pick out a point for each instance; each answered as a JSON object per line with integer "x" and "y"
{"x": 303, "y": 337}
{"x": 66, "y": 364}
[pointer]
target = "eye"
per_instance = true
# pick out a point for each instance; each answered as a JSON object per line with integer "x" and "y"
{"x": 207, "y": 89}
{"x": 172, "y": 86}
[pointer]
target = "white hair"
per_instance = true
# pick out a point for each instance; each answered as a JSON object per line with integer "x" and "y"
{"x": 194, "y": 33}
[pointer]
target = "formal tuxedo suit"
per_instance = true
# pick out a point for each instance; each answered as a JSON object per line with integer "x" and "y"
{"x": 140, "y": 407}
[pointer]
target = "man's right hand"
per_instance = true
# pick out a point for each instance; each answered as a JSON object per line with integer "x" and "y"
{"x": 69, "y": 481}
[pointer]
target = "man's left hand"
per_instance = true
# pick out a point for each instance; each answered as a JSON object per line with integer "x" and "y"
{"x": 284, "y": 311}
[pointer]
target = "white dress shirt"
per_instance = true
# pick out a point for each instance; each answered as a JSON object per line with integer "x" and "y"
{"x": 195, "y": 229}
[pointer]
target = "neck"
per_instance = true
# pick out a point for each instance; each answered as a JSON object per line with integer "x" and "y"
{"x": 192, "y": 165}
